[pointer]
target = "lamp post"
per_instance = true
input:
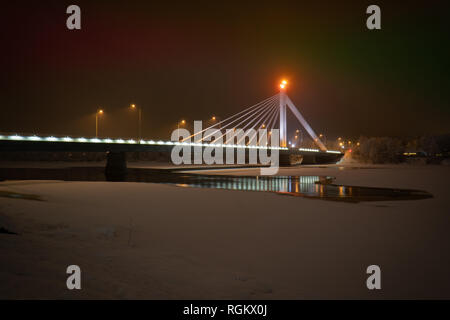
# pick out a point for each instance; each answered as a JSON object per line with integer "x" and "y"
{"x": 324, "y": 138}
{"x": 300, "y": 132}
{"x": 214, "y": 120}
{"x": 182, "y": 122}
{"x": 139, "y": 109}
{"x": 99, "y": 112}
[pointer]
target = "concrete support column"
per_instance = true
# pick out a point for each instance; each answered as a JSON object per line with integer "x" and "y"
{"x": 116, "y": 166}
{"x": 283, "y": 135}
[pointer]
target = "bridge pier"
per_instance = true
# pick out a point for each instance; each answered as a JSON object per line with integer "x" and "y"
{"x": 116, "y": 166}
{"x": 287, "y": 159}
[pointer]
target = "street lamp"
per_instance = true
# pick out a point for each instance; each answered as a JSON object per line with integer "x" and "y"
{"x": 182, "y": 122}
{"x": 324, "y": 138}
{"x": 139, "y": 109}
{"x": 98, "y": 113}
{"x": 214, "y": 120}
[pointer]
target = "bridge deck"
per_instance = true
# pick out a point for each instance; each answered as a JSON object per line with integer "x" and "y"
{"x": 67, "y": 144}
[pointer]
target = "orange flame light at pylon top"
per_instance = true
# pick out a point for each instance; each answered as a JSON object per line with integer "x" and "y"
{"x": 283, "y": 84}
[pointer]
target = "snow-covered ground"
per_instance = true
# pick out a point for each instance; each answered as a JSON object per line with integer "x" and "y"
{"x": 143, "y": 240}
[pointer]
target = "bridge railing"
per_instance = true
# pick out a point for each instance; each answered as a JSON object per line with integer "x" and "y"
{"x": 68, "y": 139}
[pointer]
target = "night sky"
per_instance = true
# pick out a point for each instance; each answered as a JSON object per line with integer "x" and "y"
{"x": 191, "y": 60}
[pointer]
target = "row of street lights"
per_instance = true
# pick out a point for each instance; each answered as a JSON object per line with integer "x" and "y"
{"x": 347, "y": 144}
{"x": 343, "y": 144}
{"x": 183, "y": 122}
{"x": 298, "y": 138}
{"x": 213, "y": 119}
{"x": 133, "y": 107}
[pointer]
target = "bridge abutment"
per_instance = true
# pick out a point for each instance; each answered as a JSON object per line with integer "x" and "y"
{"x": 116, "y": 166}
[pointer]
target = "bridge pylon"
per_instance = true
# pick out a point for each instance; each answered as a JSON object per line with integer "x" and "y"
{"x": 283, "y": 134}
{"x": 285, "y": 101}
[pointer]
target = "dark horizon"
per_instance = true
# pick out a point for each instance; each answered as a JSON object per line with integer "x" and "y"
{"x": 355, "y": 206}
{"x": 192, "y": 61}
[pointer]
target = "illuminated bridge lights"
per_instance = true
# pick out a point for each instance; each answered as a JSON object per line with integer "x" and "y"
{"x": 67, "y": 139}
{"x": 15, "y": 137}
{"x": 309, "y": 150}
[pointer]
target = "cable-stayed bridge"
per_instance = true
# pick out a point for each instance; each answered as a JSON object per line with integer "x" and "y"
{"x": 268, "y": 115}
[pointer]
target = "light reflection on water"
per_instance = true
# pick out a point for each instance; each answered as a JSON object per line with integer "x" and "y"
{"x": 289, "y": 184}
{"x": 318, "y": 187}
